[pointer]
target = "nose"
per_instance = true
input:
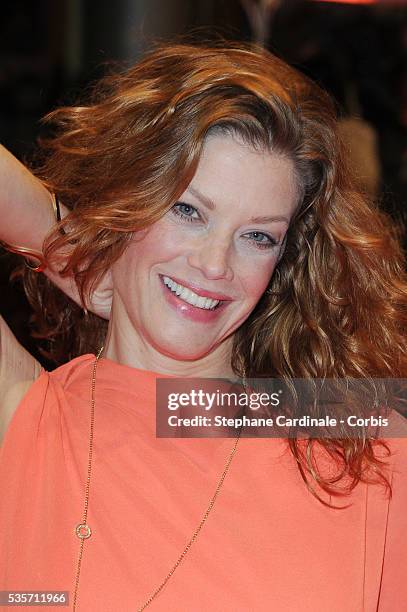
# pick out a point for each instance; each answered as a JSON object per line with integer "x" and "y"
{"x": 212, "y": 257}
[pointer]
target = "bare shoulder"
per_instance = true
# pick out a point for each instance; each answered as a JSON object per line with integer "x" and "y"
{"x": 18, "y": 370}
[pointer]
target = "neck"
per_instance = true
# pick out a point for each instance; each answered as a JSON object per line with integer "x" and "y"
{"x": 126, "y": 346}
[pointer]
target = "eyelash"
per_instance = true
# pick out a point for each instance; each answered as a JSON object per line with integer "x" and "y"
{"x": 176, "y": 211}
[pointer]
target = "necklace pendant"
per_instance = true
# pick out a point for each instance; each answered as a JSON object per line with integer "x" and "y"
{"x": 83, "y": 531}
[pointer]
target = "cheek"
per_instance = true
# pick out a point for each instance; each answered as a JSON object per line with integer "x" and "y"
{"x": 144, "y": 251}
{"x": 157, "y": 245}
{"x": 256, "y": 279}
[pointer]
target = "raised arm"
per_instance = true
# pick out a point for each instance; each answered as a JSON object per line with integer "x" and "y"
{"x": 18, "y": 370}
{"x": 27, "y": 217}
{"x": 25, "y": 204}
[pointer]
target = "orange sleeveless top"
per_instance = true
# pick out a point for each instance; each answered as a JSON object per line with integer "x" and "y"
{"x": 268, "y": 544}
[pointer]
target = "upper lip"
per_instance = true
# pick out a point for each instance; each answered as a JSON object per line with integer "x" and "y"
{"x": 199, "y": 290}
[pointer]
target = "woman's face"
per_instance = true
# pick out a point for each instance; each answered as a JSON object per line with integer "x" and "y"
{"x": 186, "y": 284}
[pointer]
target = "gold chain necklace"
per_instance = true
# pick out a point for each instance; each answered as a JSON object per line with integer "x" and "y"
{"x": 83, "y": 530}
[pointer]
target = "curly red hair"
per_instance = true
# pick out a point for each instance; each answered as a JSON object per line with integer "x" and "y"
{"x": 336, "y": 305}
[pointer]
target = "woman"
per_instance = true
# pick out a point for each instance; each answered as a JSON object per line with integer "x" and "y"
{"x": 207, "y": 192}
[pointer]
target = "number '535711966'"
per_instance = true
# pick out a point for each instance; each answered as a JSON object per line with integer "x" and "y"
{"x": 34, "y": 598}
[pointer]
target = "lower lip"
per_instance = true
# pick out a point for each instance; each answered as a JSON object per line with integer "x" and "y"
{"x": 191, "y": 312}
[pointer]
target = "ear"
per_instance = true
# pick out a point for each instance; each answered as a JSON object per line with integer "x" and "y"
{"x": 102, "y": 295}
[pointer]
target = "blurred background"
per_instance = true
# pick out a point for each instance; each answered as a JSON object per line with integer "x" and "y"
{"x": 50, "y": 50}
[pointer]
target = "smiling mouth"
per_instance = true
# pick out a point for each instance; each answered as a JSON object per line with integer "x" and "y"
{"x": 188, "y": 296}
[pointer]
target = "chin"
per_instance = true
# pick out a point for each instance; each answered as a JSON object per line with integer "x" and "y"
{"x": 187, "y": 352}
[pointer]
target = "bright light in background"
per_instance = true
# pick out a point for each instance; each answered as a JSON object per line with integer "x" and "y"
{"x": 350, "y": 1}
{"x": 389, "y": 2}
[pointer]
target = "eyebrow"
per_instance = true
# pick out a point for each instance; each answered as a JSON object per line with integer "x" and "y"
{"x": 208, "y": 203}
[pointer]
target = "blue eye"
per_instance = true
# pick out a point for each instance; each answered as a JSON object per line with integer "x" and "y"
{"x": 185, "y": 212}
{"x": 261, "y": 240}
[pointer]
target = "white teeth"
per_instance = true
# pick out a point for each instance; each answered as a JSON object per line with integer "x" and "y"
{"x": 189, "y": 296}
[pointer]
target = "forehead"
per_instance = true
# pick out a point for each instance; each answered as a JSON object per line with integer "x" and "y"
{"x": 232, "y": 173}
